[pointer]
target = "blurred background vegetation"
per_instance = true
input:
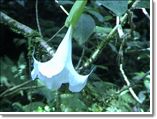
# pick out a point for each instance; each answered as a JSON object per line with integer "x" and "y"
{"x": 106, "y": 90}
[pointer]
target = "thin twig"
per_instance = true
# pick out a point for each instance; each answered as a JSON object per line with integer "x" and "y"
{"x": 20, "y": 89}
{"x": 64, "y": 10}
{"x": 120, "y": 52}
{"x": 119, "y": 29}
{"x": 14, "y": 88}
{"x": 56, "y": 33}
{"x": 120, "y": 92}
{"x": 80, "y": 60}
{"x": 128, "y": 84}
{"x": 145, "y": 12}
{"x": 37, "y": 18}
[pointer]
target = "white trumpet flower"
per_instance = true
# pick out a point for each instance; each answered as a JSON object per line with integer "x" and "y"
{"x": 60, "y": 69}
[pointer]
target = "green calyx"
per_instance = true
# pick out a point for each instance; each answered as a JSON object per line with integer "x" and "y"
{"x": 75, "y": 13}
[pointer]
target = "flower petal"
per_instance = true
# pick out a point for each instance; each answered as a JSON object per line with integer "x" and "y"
{"x": 56, "y": 81}
{"x": 59, "y": 69}
{"x": 57, "y": 63}
{"x": 35, "y": 71}
{"x": 76, "y": 81}
{"x": 34, "y": 74}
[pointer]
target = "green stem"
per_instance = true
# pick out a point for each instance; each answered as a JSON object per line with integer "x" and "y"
{"x": 58, "y": 101}
{"x": 104, "y": 42}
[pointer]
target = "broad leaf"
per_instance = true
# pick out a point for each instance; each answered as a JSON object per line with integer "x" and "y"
{"x": 118, "y": 7}
{"x": 84, "y": 28}
{"x": 96, "y": 14}
{"x": 143, "y": 4}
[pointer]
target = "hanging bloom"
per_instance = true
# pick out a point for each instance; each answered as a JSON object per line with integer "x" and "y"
{"x": 60, "y": 69}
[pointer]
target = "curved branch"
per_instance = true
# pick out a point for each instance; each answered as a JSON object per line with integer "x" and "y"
{"x": 26, "y": 31}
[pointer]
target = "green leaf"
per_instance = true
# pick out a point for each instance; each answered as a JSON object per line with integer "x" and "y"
{"x": 118, "y": 7}
{"x": 147, "y": 83}
{"x": 65, "y": 2}
{"x": 143, "y": 4}
{"x": 102, "y": 31}
{"x": 138, "y": 75}
{"x": 10, "y": 71}
{"x": 142, "y": 96}
{"x": 47, "y": 93}
{"x": 17, "y": 107}
{"x": 102, "y": 88}
{"x": 84, "y": 28}
{"x": 96, "y": 14}
{"x": 95, "y": 108}
{"x": 4, "y": 81}
{"x": 71, "y": 102}
{"x": 34, "y": 106}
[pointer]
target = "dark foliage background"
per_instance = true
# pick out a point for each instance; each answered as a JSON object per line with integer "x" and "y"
{"x": 106, "y": 90}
